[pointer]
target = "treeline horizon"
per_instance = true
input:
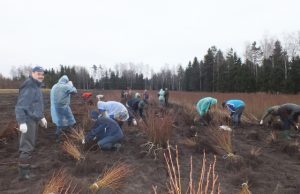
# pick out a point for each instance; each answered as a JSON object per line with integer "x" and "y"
{"x": 269, "y": 68}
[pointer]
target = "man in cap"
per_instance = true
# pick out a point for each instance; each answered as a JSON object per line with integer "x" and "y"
{"x": 29, "y": 114}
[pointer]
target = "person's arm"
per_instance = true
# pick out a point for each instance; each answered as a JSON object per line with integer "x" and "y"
{"x": 71, "y": 89}
{"x": 267, "y": 113}
{"x": 94, "y": 131}
{"x": 230, "y": 107}
{"x": 23, "y": 105}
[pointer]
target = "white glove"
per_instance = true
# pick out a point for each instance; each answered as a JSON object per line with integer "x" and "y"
{"x": 70, "y": 83}
{"x": 83, "y": 141}
{"x": 43, "y": 122}
{"x": 134, "y": 122}
{"x": 23, "y": 127}
{"x": 261, "y": 122}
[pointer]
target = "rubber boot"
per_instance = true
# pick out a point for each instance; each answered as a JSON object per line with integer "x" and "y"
{"x": 116, "y": 147}
{"x": 286, "y": 135}
{"x": 24, "y": 172}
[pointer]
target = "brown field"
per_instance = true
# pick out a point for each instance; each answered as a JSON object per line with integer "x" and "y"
{"x": 261, "y": 157}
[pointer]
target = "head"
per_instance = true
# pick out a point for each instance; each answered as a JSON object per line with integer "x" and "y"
{"x": 213, "y": 103}
{"x": 94, "y": 115}
{"x": 166, "y": 88}
{"x": 63, "y": 80}
{"x": 100, "y": 97}
{"x": 224, "y": 104}
{"x": 137, "y": 95}
{"x": 38, "y": 73}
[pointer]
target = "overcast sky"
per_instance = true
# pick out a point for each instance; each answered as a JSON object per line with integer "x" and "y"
{"x": 155, "y": 32}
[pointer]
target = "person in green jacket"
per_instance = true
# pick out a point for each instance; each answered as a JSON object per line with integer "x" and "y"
{"x": 203, "y": 106}
{"x": 288, "y": 114}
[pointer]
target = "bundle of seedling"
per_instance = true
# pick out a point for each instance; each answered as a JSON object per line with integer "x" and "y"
{"x": 158, "y": 131}
{"x": 220, "y": 117}
{"x": 223, "y": 141}
{"x": 72, "y": 149}
{"x": 245, "y": 189}
{"x": 113, "y": 178}
{"x": 60, "y": 183}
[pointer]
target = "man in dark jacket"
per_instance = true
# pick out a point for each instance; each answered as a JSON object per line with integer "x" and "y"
{"x": 288, "y": 114}
{"x": 29, "y": 114}
{"x": 166, "y": 96}
{"x": 105, "y": 131}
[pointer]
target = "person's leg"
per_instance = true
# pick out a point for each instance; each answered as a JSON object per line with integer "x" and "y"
{"x": 107, "y": 142}
{"x": 239, "y": 114}
{"x": 286, "y": 126}
{"x": 27, "y": 144}
{"x": 130, "y": 113}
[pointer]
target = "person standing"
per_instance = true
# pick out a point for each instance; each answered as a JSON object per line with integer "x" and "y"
{"x": 61, "y": 112}
{"x": 29, "y": 114}
{"x": 161, "y": 98}
{"x": 166, "y": 96}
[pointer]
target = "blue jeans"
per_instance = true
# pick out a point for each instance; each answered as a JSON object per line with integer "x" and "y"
{"x": 107, "y": 142}
{"x": 236, "y": 116}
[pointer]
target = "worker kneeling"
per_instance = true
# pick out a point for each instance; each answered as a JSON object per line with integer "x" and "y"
{"x": 106, "y": 132}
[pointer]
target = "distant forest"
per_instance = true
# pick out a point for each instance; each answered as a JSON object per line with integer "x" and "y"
{"x": 269, "y": 67}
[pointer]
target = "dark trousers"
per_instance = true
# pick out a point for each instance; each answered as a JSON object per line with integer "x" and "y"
{"x": 27, "y": 142}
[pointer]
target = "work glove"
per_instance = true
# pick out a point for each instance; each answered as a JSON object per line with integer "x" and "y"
{"x": 134, "y": 122}
{"x": 261, "y": 122}
{"x": 43, "y": 122}
{"x": 23, "y": 127}
{"x": 70, "y": 83}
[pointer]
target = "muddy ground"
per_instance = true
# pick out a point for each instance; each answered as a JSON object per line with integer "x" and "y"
{"x": 275, "y": 170}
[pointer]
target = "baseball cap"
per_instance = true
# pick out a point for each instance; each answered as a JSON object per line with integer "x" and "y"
{"x": 38, "y": 69}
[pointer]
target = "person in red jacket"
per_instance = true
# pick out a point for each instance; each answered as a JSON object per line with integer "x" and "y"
{"x": 87, "y": 98}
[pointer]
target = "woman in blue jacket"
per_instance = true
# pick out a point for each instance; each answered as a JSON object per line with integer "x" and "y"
{"x": 105, "y": 131}
{"x": 236, "y": 108}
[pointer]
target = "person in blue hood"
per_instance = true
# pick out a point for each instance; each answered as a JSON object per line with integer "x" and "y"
{"x": 106, "y": 132}
{"x": 236, "y": 108}
{"x": 61, "y": 112}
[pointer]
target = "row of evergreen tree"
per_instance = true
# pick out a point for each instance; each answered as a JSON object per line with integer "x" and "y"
{"x": 217, "y": 72}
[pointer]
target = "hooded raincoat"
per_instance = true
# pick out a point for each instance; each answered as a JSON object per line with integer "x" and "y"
{"x": 204, "y": 105}
{"x": 61, "y": 112}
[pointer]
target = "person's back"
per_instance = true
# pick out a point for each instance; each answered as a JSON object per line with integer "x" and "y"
{"x": 134, "y": 103}
{"x": 112, "y": 127}
{"x": 235, "y": 104}
{"x": 111, "y": 107}
{"x": 290, "y": 107}
{"x": 204, "y": 105}
{"x": 105, "y": 131}
{"x": 60, "y": 92}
